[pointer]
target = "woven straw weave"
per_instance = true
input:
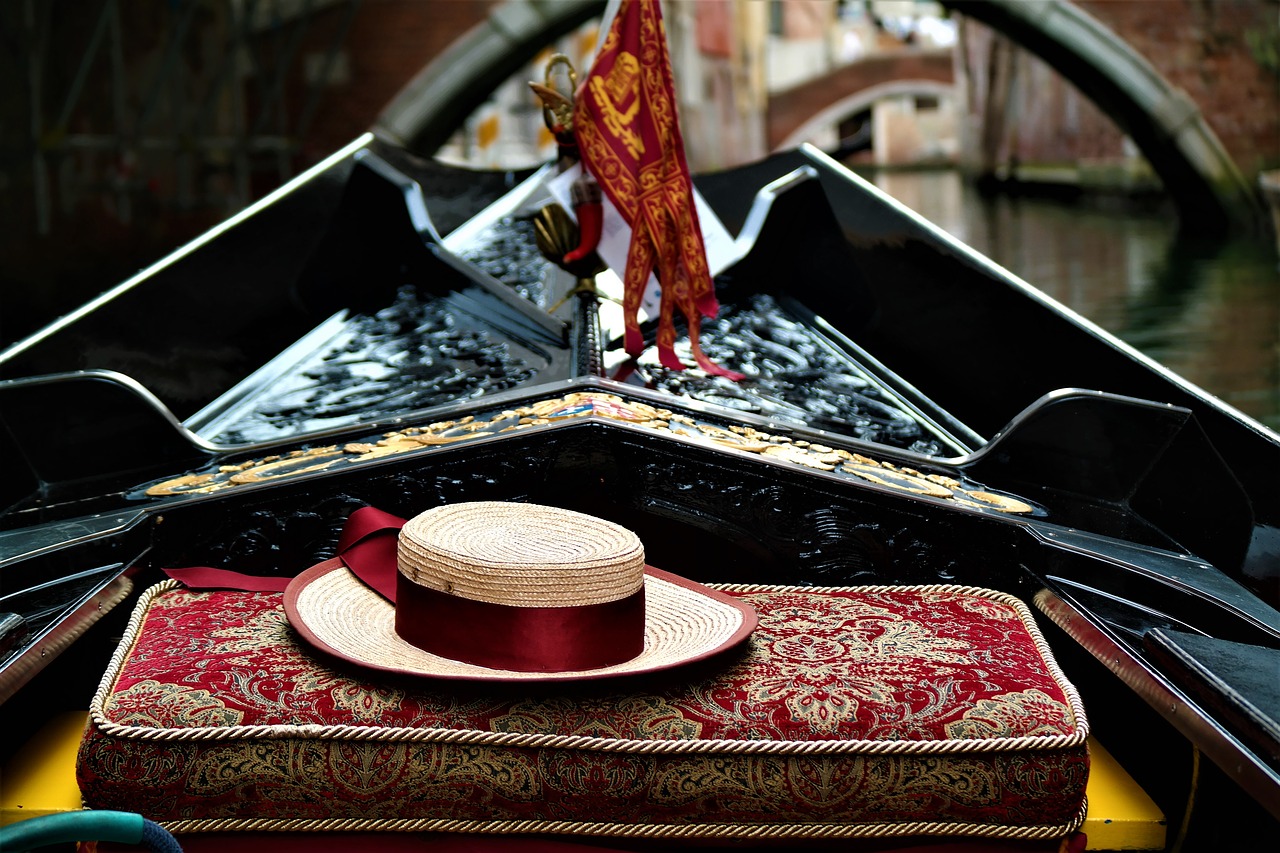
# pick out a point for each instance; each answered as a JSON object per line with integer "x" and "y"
{"x": 521, "y": 555}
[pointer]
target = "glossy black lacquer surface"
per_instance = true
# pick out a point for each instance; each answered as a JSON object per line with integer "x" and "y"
{"x": 911, "y": 414}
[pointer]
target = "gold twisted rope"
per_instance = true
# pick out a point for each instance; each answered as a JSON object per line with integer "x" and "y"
{"x": 630, "y": 830}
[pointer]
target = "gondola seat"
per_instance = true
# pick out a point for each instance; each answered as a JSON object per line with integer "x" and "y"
{"x": 868, "y": 712}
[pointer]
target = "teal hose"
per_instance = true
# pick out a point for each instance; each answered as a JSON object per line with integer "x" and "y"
{"x": 88, "y": 825}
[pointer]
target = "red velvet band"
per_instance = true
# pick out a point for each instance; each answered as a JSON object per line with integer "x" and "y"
{"x": 521, "y": 639}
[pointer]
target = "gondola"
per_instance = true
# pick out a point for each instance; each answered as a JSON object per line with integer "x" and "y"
{"x": 384, "y": 331}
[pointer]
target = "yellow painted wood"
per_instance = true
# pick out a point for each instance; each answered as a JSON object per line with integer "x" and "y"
{"x": 40, "y": 778}
{"x": 1121, "y": 815}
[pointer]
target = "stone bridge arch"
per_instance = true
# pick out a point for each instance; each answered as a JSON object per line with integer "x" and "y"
{"x": 1166, "y": 125}
{"x": 793, "y": 113}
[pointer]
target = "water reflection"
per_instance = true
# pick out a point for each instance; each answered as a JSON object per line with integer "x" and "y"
{"x": 1209, "y": 310}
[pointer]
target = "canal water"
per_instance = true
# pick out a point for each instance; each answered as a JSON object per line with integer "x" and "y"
{"x": 1209, "y": 310}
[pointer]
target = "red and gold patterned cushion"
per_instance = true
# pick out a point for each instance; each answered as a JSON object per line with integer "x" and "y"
{"x": 881, "y": 712}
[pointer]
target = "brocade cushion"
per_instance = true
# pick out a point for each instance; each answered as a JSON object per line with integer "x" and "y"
{"x": 854, "y": 712}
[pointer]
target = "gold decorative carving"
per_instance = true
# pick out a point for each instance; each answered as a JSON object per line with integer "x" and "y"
{"x": 594, "y": 404}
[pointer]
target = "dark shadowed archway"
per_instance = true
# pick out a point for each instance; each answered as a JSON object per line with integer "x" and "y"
{"x": 1210, "y": 193}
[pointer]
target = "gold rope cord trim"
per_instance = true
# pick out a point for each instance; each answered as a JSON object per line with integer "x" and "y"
{"x": 403, "y": 734}
{"x": 631, "y": 830}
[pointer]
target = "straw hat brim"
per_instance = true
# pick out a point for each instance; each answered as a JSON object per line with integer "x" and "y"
{"x": 337, "y": 613}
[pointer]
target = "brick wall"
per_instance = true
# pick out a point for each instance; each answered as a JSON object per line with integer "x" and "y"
{"x": 389, "y": 42}
{"x": 1204, "y": 47}
{"x": 112, "y": 211}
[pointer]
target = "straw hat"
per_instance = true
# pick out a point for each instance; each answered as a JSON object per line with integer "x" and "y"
{"x": 515, "y": 592}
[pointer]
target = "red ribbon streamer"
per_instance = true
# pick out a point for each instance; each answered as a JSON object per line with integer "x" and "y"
{"x": 207, "y": 577}
{"x": 367, "y": 546}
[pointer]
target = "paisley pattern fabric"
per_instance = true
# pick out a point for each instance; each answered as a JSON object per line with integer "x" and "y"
{"x": 870, "y": 711}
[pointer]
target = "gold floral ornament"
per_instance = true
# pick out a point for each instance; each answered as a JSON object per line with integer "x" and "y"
{"x": 618, "y": 96}
{"x": 612, "y": 407}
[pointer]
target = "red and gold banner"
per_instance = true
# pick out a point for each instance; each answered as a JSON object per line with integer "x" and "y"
{"x": 629, "y": 139}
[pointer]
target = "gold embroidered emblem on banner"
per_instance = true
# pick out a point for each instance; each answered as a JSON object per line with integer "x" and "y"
{"x": 621, "y": 87}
